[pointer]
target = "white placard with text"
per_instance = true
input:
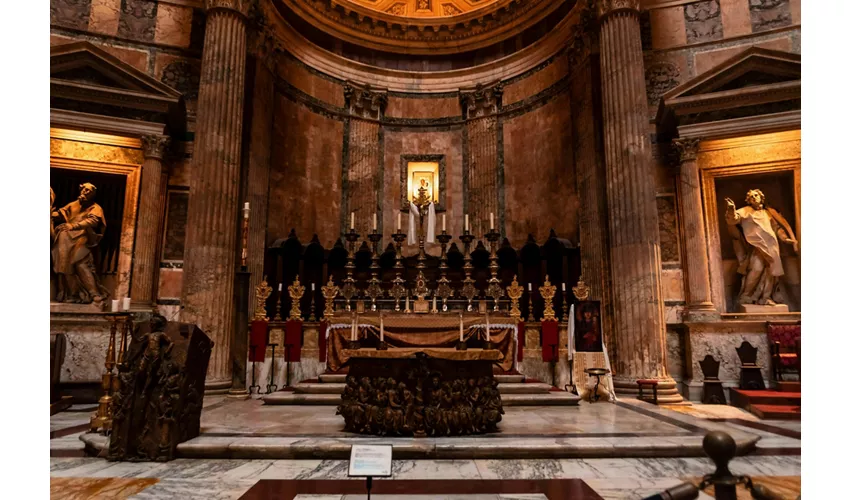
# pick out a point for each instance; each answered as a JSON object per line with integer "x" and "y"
{"x": 371, "y": 460}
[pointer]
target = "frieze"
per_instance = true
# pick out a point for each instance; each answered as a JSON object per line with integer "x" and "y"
{"x": 138, "y": 20}
{"x": 703, "y": 22}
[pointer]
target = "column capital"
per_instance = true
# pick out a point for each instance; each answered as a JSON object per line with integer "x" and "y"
{"x": 685, "y": 150}
{"x": 364, "y": 101}
{"x": 606, "y": 7}
{"x": 154, "y": 146}
{"x": 239, "y": 6}
{"x": 483, "y": 101}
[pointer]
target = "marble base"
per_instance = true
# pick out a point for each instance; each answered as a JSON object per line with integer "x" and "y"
{"x": 67, "y": 308}
{"x": 758, "y": 309}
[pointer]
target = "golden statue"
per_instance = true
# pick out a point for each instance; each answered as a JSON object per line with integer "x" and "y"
{"x": 81, "y": 228}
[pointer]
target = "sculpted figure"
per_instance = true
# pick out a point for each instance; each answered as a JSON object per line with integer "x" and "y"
{"x": 756, "y": 231}
{"x": 80, "y": 230}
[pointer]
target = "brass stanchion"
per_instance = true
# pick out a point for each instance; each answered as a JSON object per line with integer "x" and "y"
{"x": 102, "y": 420}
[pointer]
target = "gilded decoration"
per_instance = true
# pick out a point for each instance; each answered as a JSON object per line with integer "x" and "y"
{"x": 424, "y": 8}
{"x": 95, "y": 152}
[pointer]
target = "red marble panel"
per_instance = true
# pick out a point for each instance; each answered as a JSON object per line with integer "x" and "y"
{"x": 320, "y": 88}
{"x": 736, "y": 18}
{"x": 400, "y": 107}
{"x": 536, "y": 82}
{"x": 540, "y": 176}
{"x": 413, "y": 142}
{"x": 668, "y": 27}
{"x": 305, "y": 181}
{"x": 170, "y": 283}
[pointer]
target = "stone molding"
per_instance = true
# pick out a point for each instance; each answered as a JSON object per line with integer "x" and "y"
{"x": 155, "y": 146}
{"x": 365, "y": 102}
{"x": 685, "y": 149}
{"x": 481, "y": 102}
{"x": 605, "y": 8}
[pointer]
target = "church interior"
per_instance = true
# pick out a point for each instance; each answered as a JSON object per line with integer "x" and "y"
{"x": 425, "y": 249}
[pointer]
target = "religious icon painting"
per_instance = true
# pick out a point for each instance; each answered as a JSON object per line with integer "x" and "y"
{"x": 588, "y": 326}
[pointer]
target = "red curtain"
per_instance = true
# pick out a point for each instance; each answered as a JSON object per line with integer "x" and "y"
{"x": 520, "y": 339}
{"x": 292, "y": 340}
{"x": 323, "y": 341}
{"x": 259, "y": 334}
{"x": 550, "y": 338}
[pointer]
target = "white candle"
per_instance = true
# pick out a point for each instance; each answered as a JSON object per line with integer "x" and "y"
{"x": 382, "y": 328}
{"x": 246, "y": 209}
{"x": 466, "y": 222}
{"x": 398, "y": 226}
{"x": 460, "y": 339}
{"x": 115, "y": 306}
{"x": 529, "y": 288}
{"x": 444, "y": 223}
{"x": 247, "y": 206}
{"x": 353, "y": 328}
{"x": 563, "y": 287}
{"x": 374, "y": 222}
{"x": 312, "y": 287}
{"x": 407, "y": 303}
{"x": 280, "y": 287}
{"x": 491, "y": 221}
{"x": 126, "y": 304}
{"x": 488, "y": 328}
{"x": 352, "y": 220}
{"x": 434, "y": 303}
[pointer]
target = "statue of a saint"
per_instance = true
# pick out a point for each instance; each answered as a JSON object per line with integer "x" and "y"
{"x": 81, "y": 228}
{"x": 756, "y": 232}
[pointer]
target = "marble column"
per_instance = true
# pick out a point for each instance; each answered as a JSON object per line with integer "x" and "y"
{"x": 699, "y": 306}
{"x": 632, "y": 214}
{"x": 145, "y": 261}
{"x": 211, "y": 226}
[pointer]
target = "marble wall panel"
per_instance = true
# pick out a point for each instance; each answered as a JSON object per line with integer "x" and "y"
{"x": 736, "y": 18}
{"x": 704, "y": 61}
{"x": 178, "y": 173}
{"x": 448, "y": 142}
{"x": 703, "y": 21}
{"x": 537, "y": 81}
{"x": 363, "y": 179}
{"x": 173, "y": 25}
{"x": 668, "y": 227}
{"x": 312, "y": 84}
{"x": 72, "y": 14}
{"x": 85, "y": 351}
{"x": 134, "y": 57}
{"x": 421, "y": 108}
{"x": 138, "y": 20}
{"x": 182, "y": 74}
{"x": 673, "y": 285}
{"x": 170, "y": 283}
{"x": 104, "y": 17}
{"x": 676, "y": 354}
{"x": 668, "y": 27}
{"x": 540, "y": 176}
{"x": 720, "y": 340}
{"x": 769, "y": 14}
{"x": 795, "y": 11}
{"x": 305, "y": 181}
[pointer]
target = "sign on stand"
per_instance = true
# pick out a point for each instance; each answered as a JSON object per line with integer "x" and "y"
{"x": 371, "y": 461}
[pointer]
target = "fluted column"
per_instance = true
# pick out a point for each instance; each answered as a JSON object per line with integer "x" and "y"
{"x": 211, "y": 226}
{"x": 633, "y": 219}
{"x": 145, "y": 262}
{"x": 699, "y": 306}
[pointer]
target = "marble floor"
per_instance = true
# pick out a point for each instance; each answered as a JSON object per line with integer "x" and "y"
{"x": 775, "y": 458}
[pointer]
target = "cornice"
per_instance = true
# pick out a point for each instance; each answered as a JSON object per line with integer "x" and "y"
{"x": 376, "y": 30}
{"x": 343, "y": 69}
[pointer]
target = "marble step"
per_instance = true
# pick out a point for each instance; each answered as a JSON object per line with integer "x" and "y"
{"x": 540, "y": 399}
{"x": 504, "y": 388}
{"x": 335, "y": 378}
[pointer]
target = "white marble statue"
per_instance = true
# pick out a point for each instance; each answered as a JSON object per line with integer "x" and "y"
{"x": 756, "y": 231}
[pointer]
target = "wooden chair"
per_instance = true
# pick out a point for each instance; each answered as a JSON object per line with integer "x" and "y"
{"x": 712, "y": 389}
{"x": 784, "y": 340}
{"x": 751, "y": 378}
{"x": 651, "y": 383}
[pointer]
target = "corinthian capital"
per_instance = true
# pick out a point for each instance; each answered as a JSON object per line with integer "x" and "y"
{"x": 685, "y": 149}
{"x": 154, "y": 146}
{"x": 239, "y": 6}
{"x": 607, "y": 7}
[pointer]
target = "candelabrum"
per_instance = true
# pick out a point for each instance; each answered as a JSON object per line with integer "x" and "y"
{"x": 296, "y": 291}
{"x": 468, "y": 291}
{"x": 398, "y": 289}
{"x": 349, "y": 289}
{"x": 444, "y": 289}
{"x": 547, "y": 291}
{"x": 422, "y": 201}
{"x": 102, "y": 420}
{"x": 278, "y": 315}
{"x": 329, "y": 291}
{"x": 374, "y": 290}
{"x": 514, "y": 293}
{"x": 312, "y": 316}
{"x": 494, "y": 287}
{"x": 261, "y": 296}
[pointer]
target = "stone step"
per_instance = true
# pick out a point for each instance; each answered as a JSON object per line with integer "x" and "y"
{"x": 776, "y": 412}
{"x": 789, "y": 386}
{"x": 534, "y": 399}
{"x": 335, "y": 378}
{"x": 504, "y": 388}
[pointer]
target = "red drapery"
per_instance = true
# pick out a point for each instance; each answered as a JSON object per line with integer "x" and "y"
{"x": 520, "y": 339}
{"x": 292, "y": 340}
{"x": 259, "y": 333}
{"x": 550, "y": 339}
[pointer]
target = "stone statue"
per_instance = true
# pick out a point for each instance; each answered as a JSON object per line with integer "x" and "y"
{"x": 756, "y": 232}
{"x": 79, "y": 232}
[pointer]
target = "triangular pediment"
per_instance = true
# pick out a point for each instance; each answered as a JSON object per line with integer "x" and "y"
{"x": 87, "y": 64}
{"x": 753, "y": 67}
{"x": 757, "y": 82}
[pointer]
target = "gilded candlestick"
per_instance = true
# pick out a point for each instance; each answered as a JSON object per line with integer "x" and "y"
{"x": 547, "y": 291}
{"x": 494, "y": 288}
{"x": 398, "y": 289}
{"x": 296, "y": 291}
{"x": 261, "y": 296}
{"x": 374, "y": 291}
{"x": 444, "y": 289}
{"x": 514, "y": 293}
{"x": 349, "y": 289}
{"x": 468, "y": 291}
{"x": 329, "y": 291}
